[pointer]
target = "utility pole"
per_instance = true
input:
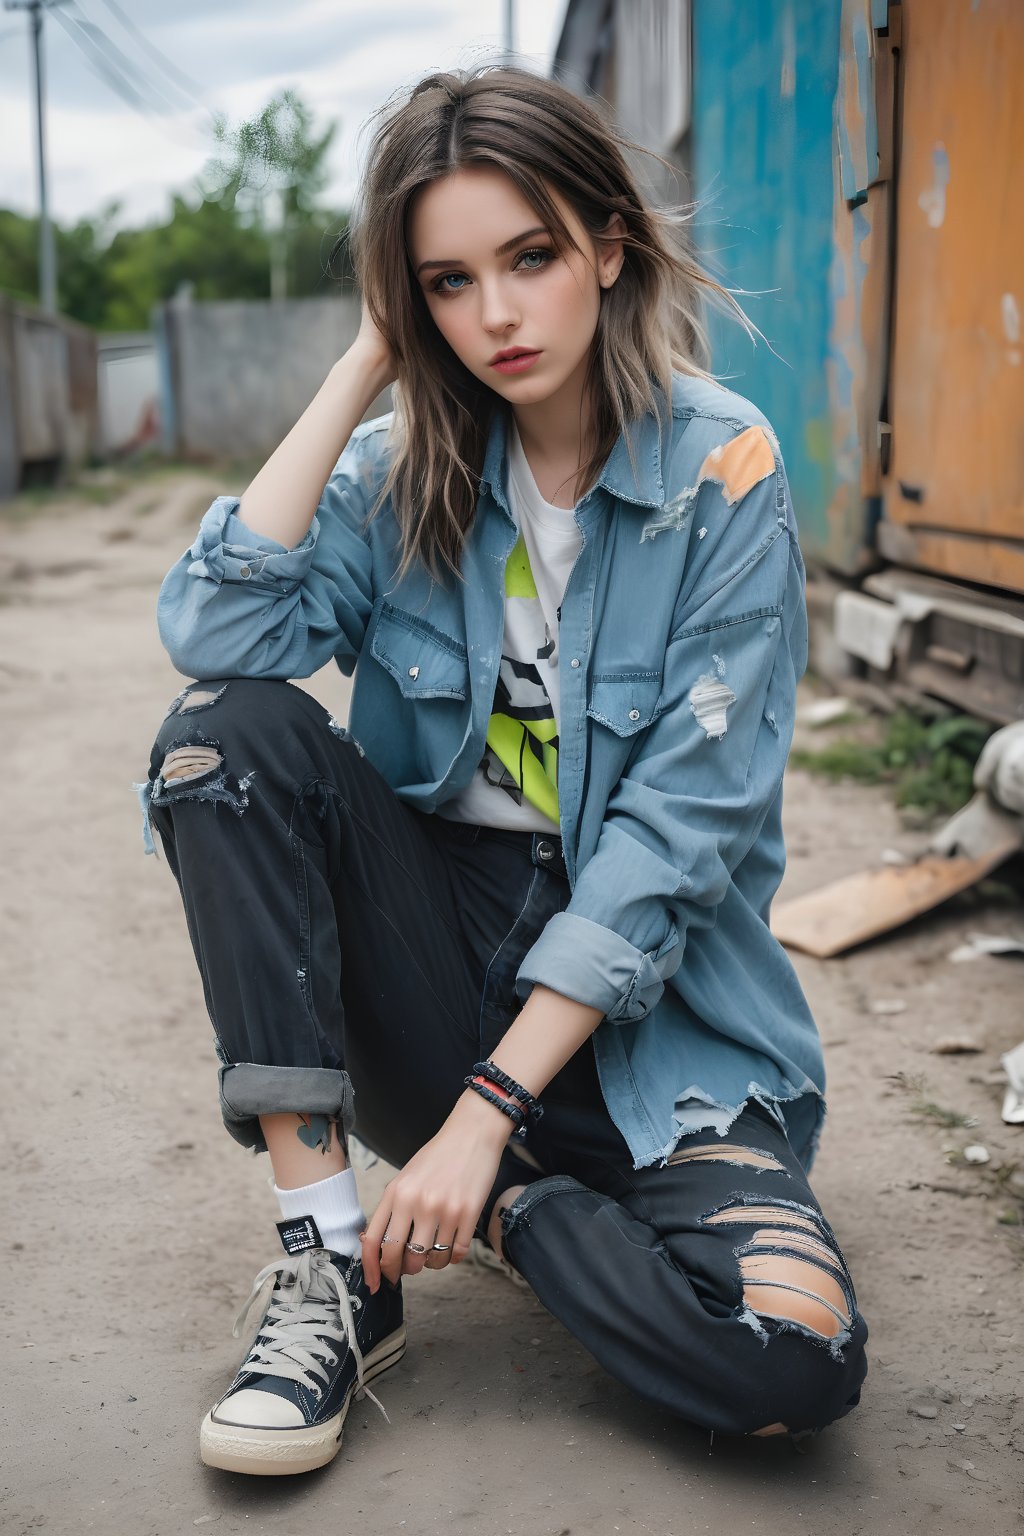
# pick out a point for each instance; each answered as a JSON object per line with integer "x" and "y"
{"x": 47, "y": 248}
{"x": 510, "y": 29}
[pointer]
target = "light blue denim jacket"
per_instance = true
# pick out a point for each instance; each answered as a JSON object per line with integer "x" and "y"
{"x": 683, "y": 634}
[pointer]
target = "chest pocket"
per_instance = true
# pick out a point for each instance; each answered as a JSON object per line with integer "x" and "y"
{"x": 625, "y": 702}
{"x": 424, "y": 661}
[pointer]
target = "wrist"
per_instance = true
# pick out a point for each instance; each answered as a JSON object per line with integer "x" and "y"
{"x": 375, "y": 369}
{"x": 482, "y": 1117}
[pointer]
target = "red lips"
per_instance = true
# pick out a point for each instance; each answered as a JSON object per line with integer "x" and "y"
{"x": 503, "y": 356}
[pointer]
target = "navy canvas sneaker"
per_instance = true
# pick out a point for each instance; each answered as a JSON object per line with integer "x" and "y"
{"x": 322, "y": 1338}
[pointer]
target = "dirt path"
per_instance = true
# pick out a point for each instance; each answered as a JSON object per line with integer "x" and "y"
{"x": 133, "y": 1226}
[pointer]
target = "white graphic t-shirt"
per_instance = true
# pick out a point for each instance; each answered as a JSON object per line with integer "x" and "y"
{"x": 516, "y": 784}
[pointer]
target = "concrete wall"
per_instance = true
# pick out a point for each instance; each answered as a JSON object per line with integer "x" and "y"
{"x": 237, "y": 375}
{"x": 129, "y": 391}
{"x": 48, "y": 405}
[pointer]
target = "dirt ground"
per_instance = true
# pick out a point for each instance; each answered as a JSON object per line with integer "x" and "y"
{"x": 133, "y": 1226}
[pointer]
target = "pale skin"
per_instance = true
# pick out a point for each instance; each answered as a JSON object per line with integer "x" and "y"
{"x": 492, "y": 281}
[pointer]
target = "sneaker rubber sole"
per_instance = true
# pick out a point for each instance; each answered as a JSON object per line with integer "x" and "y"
{"x": 482, "y": 1256}
{"x": 279, "y": 1452}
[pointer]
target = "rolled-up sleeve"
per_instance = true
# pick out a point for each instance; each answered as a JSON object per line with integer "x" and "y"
{"x": 239, "y": 604}
{"x": 695, "y": 792}
{"x": 226, "y": 550}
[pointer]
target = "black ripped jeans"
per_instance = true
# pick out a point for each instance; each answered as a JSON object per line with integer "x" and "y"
{"x": 357, "y": 958}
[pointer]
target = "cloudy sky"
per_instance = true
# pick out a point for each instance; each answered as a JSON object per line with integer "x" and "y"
{"x": 344, "y": 57}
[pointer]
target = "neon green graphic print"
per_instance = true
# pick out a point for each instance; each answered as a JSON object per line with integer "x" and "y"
{"x": 523, "y": 734}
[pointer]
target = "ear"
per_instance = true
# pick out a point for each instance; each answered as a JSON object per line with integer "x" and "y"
{"x": 611, "y": 253}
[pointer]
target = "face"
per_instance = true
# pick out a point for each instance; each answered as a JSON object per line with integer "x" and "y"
{"x": 494, "y": 284}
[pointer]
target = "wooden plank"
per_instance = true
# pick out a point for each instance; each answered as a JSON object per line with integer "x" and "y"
{"x": 874, "y": 901}
{"x": 993, "y": 562}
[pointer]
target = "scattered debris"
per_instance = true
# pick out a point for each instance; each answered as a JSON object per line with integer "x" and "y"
{"x": 827, "y": 712}
{"x": 1013, "y": 1103}
{"x": 955, "y": 1045}
{"x": 979, "y": 944}
{"x": 850, "y": 911}
{"x": 923, "y": 1411}
{"x": 1000, "y": 768}
{"x": 976, "y": 1153}
{"x": 887, "y": 1007}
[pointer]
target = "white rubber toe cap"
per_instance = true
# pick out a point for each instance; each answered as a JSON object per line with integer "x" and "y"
{"x": 258, "y": 1410}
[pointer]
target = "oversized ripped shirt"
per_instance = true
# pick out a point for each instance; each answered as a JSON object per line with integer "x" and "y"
{"x": 682, "y": 637}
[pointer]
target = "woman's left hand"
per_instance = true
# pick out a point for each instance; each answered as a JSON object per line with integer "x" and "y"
{"x": 438, "y": 1196}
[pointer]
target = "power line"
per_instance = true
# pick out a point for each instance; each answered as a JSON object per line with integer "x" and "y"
{"x": 117, "y": 70}
{"x": 94, "y": 56}
{"x": 183, "y": 81}
{"x": 106, "y": 55}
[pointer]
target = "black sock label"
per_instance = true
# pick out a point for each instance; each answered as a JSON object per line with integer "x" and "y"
{"x": 299, "y": 1234}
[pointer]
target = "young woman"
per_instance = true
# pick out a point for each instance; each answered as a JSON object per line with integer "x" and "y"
{"x": 512, "y": 927}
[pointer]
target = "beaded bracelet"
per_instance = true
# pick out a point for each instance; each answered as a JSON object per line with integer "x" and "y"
{"x": 508, "y": 1107}
{"x": 523, "y": 1095}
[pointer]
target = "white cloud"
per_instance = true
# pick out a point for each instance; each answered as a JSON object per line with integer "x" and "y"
{"x": 344, "y": 56}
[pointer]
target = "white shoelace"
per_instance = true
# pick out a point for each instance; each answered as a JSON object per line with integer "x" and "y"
{"x": 310, "y": 1309}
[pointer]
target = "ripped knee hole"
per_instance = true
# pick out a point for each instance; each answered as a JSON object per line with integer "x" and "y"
{"x": 189, "y": 762}
{"x": 790, "y": 1270}
{"x": 728, "y": 1152}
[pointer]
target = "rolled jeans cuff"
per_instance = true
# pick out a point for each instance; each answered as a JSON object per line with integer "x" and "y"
{"x": 248, "y": 1090}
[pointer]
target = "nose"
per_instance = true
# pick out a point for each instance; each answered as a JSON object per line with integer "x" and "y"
{"x": 498, "y": 310}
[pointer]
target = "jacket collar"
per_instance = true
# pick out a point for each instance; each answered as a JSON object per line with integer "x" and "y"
{"x": 643, "y": 489}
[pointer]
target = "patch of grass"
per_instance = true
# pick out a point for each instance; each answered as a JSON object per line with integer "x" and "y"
{"x": 929, "y": 763}
{"x": 61, "y": 498}
{"x": 950, "y": 1118}
{"x": 916, "y": 1084}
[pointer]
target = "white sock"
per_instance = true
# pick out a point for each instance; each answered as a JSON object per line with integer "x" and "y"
{"x": 333, "y": 1204}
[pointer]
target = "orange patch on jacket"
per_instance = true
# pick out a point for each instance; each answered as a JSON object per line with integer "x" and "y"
{"x": 739, "y": 465}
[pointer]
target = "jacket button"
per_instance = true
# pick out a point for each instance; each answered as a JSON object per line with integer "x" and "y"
{"x": 414, "y": 672}
{"x": 634, "y": 714}
{"x": 575, "y": 662}
{"x": 245, "y": 573}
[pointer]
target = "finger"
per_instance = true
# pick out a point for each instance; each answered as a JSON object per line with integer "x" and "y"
{"x": 392, "y": 1251}
{"x": 370, "y": 1242}
{"x": 418, "y": 1245}
{"x": 461, "y": 1241}
{"x": 440, "y": 1255}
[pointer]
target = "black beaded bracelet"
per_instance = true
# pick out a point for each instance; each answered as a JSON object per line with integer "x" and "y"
{"x": 508, "y": 1107}
{"x": 523, "y": 1095}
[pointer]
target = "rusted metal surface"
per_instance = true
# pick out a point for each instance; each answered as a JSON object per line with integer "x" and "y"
{"x": 859, "y": 281}
{"x": 954, "y": 495}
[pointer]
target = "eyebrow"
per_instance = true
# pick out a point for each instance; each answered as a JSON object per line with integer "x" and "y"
{"x": 503, "y": 250}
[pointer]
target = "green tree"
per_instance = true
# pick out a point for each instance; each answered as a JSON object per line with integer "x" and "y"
{"x": 254, "y": 213}
{"x": 274, "y": 166}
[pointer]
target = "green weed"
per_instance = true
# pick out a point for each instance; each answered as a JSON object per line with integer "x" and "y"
{"x": 929, "y": 763}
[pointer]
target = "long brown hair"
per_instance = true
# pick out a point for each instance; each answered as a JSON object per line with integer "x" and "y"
{"x": 650, "y": 321}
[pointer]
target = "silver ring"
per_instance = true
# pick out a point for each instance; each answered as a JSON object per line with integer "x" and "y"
{"x": 415, "y": 1247}
{"x": 441, "y": 1248}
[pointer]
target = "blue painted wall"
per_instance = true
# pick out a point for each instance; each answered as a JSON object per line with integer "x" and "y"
{"x": 764, "y": 86}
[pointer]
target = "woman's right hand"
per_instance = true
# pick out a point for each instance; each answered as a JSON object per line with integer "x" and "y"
{"x": 373, "y": 348}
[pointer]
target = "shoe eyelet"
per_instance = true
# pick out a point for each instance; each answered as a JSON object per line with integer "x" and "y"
{"x": 317, "y": 1393}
